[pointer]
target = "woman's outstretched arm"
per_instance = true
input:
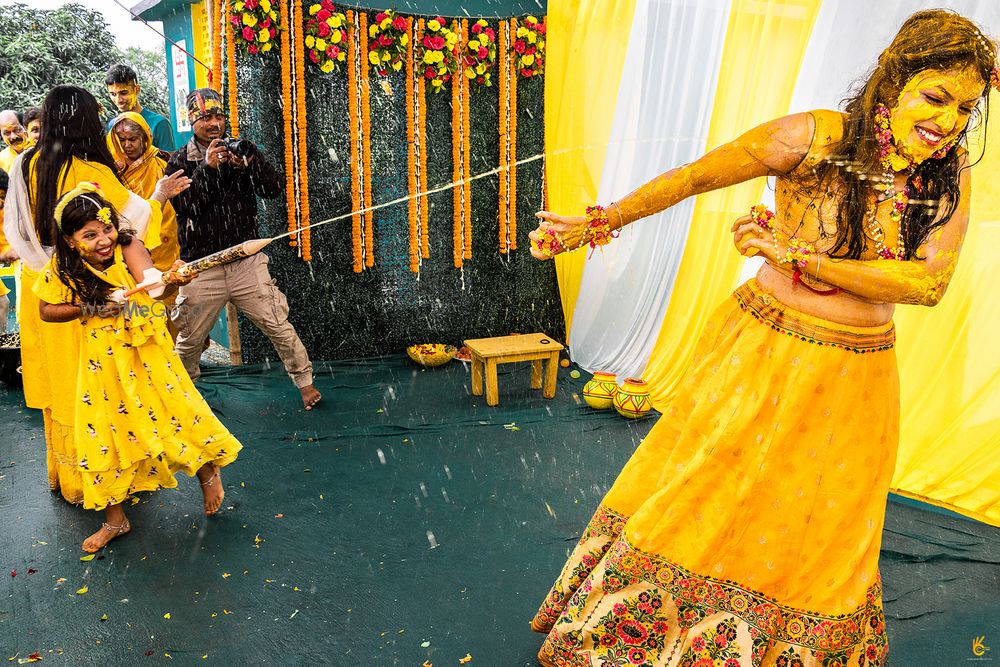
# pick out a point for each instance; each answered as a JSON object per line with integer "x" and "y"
{"x": 776, "y": 147}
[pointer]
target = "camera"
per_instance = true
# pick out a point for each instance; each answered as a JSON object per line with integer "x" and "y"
{"x": 239, "y": 147}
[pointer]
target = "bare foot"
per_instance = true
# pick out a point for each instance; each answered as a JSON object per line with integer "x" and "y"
{"x": 105, "y": 534}
{"x": 310, "y": 396}
{"x": 211, "y": 488}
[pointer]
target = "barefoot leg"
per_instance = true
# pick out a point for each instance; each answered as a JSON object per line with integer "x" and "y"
{"x": 211, "y": 487}
{"x": 115, "y": 524}
{"x": 310, "y": 396}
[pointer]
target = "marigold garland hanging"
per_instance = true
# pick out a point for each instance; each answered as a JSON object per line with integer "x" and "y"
{"x": 354, "y": 55}
{"x": 503, "y": 126}
{"x": 437, "y": 53}
{"x": 302, "y": 174}
{"x": 255, "y": 23}
{"x": 529, "y": 47}
{"x": 366, "y": 133}
{"x": 466, "y": 154}
{"x": 413, "y": 216}
{"x": 458, "y": 139}
{"x": 286, "y": 114}
{"x": 421, "y": 98}
{"x": 512, "y": 150}
{"x": 480, "y": 54}
{"x": 215, "y": 76}
{"x": 231, "y": 89}
{"x": 388, "y": 46}
{"x": 326, "y": 36}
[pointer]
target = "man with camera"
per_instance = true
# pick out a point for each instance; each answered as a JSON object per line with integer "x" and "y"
{"x": 219, "y": 210}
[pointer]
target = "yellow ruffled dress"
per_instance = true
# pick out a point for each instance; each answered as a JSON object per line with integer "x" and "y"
{"x": 48, "y": 348}
{"x": 139, "y": 419}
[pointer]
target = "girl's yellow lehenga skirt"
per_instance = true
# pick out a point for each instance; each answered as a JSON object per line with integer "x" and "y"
{"x": 745, "y": 529}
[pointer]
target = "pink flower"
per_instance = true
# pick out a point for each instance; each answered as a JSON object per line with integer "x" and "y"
{"x": 272, "y": 32}
{"x": 322, "y": 15}
{"x": 383, "y": 72}
{"x": 266, "y": 23}
{"x": 429, "y": 73}
{"x": 251, "y": 4}
{"x": 482, "y": 53}
{"x": 540, "y": 28}
{"x": 235, "y": 20}
{"x": 479, "y": 79}
{"x": 323, "y": 29}
{"x": 252, "y": 49}
{"x": 380, "y": 17}
{"x": 399, "y": 23}
{"x": 476, "y": 28}
{"x": 529, "y": 51}
{"x": 441, "y": 20}
{"x": 311, "y": 25}
{"x": 489, "y": 31}
{"x": 427, "y": 42}
{"x": 328, "y": 5}
{"x": 519, "y": 46}
{"x": 384, "y": 40}
{"x": 249, "y": 34}
{"x": 526, "y": 72}
{"x": 332, "y": 51}
{"x": 437, "y": 42}
{"x": 314, "y": 55}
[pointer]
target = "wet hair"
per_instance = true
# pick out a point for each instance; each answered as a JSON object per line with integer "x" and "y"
{"x": 71, "y": 128}
{"x": 120, "y": 73}
{"x": 935, "y": 39}
{"x": 4, "y": 181}
{"x": 32, "y": 114}
{"x": 71, "y": 266}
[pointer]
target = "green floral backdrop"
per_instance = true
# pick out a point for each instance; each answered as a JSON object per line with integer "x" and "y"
{"x": 340, "y": 314}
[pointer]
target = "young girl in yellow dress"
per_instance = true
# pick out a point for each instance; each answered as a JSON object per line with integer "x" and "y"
{"x": 139, "y": 418}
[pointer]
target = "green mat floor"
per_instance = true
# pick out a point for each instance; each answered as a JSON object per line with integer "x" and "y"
{"x": 404, "y": 521}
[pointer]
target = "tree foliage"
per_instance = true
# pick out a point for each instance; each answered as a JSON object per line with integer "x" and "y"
{"x": 40, "y": 49}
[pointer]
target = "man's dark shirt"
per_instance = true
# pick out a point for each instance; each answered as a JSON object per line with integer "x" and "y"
{"x": 219, "y": 210}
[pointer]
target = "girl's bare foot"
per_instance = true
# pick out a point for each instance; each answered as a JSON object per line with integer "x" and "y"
{"x": 211, "y": 488}
{"x": 310, "y": 396}
{"x": 115, "y": 526}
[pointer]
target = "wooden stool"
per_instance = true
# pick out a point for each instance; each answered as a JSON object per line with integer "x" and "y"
{"x": 535, "y": 348}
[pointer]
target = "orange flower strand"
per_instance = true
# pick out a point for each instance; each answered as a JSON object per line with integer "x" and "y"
{"x": 286, "y": 115}
{"x": 456, "y": 170}
{"x": 425, "y": 251}
{"x": 504, "y": 105}
{"x": 352, "y": 106}
{"x": 366, "y": 144}
{"x": 411, "y": 156}
{"x": 512, "y": 142}
{"x": 215, "y": 76}
{"x": 466, "y": 139}
{"x": 234, "y": 118}
{"x": 302, "y": 176}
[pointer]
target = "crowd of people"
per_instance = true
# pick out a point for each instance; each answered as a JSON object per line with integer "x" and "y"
{"x": 90, "y": 211}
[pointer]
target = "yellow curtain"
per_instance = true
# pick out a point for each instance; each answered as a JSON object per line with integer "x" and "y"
{"x": 582, "y": 74}
{"x": 765, "y": 43}
{"x": 949, "y": 367}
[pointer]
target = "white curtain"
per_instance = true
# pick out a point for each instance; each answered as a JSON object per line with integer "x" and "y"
{"x": 661, "y": 121}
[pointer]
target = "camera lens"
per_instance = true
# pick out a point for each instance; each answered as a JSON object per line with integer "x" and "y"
{"x": 239, "y": 147}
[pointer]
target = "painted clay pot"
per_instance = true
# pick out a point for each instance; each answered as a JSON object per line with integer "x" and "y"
{"x": 599, "y": 392}
{"x": 632, "y": 398}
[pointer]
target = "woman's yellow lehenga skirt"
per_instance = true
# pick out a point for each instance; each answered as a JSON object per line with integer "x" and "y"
{"x": 50, "y": 354}
{"x": 745, "y": 529}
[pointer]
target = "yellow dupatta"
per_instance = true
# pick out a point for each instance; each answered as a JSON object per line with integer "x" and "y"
{"x": 140, "y": 177}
